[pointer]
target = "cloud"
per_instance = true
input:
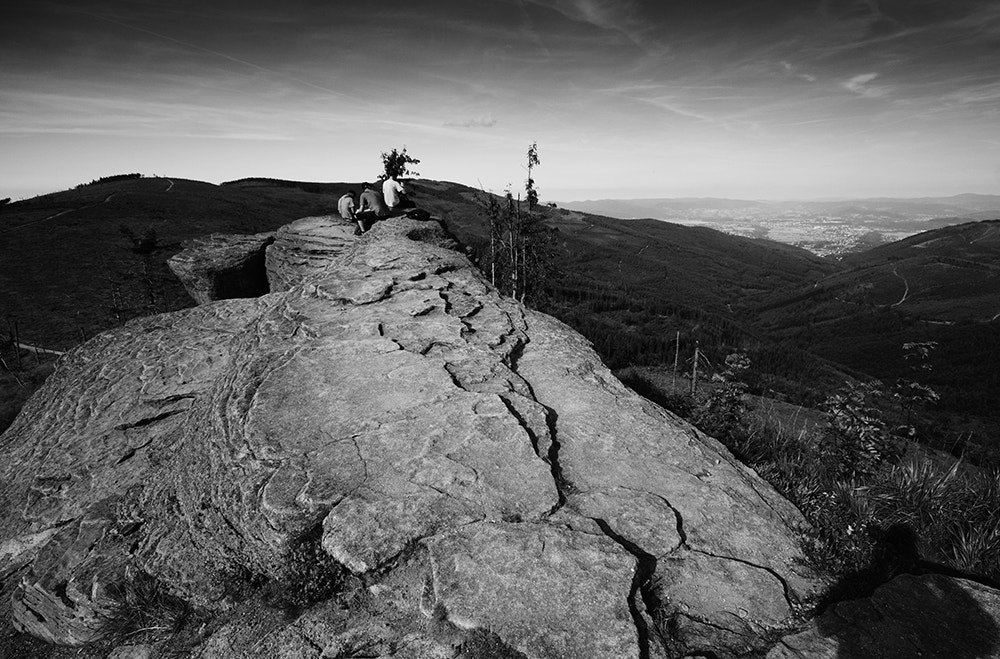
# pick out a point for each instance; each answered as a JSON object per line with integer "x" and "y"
{"x": 860, "y": 84}
{"x": 790, "y": 69}
{"x": 484, "y": 121}
{"x": 611, "y": 16}
{"x": 988, "y": 93}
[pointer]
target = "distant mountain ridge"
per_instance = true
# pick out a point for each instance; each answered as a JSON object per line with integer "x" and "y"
{"x": 825, "y": 227}
{"x": 962, "y": 203}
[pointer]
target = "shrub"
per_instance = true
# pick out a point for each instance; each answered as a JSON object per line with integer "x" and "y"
{"x": 856, "y": 441}
{"x": 145, "y": 244}
{"x": 721, "y": 412}
{"x": 396, "y": 164}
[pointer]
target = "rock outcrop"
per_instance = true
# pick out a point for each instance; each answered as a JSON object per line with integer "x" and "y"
{"x": 304, "y": 248}
{"x": 471, "y": 464}
{"x": 221, "y": 267}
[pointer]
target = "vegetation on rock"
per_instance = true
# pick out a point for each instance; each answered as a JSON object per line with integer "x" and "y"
{"x": 859, "y": 477}
{"x": 520, "y": 258}
{"x": 397, "y": 164}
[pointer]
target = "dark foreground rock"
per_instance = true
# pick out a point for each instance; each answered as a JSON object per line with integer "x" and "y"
{"x": 467, "y": 470}
{"x": 929, "y": 616}
{"x": 221, "y": 267}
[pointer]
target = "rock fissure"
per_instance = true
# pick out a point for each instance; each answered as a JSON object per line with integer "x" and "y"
{"x": 450, "y": 370}
{"x": 563, "y": 486}
{"x": 532, "y": 436}
{"x": 681, "y": 533}
{"x": 790, "y": 599}
{"x": 645, "y": 567}
{"x": 150, "y": 420}
{"x": 364, "y": 463}
{"x": 555, "y": 467}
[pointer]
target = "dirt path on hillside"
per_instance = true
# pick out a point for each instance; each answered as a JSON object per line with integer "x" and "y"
{"x": 60, "y": 213}
{"x": 906, "y": 292}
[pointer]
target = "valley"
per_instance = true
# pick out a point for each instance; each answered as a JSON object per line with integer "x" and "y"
{"x": 826, "y": 228}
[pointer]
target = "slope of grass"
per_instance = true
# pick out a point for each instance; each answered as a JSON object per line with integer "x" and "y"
{"x": 874, "y": 515}
{"x": 67, "y": 266}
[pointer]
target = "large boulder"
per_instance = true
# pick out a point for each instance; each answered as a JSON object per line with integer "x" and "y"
{"x": 471, "y": 462}
{"x": 930, "y": 616}
{"x": 222, "y": 266}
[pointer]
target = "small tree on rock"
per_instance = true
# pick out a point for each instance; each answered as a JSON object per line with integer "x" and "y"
{"x": 396, "y": 164}
{"x": 519, "y": 257}
{"x": 529, "y": 185}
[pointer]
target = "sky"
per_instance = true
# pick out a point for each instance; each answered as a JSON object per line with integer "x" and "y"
{"x": 758, "y": 99}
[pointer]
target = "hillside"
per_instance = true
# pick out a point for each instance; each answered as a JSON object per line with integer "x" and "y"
{"x": 941, "y": 286}
{"x": 67, "y": 267}
{"x": 630, "y": 286}
{"x": 824, "y": 227}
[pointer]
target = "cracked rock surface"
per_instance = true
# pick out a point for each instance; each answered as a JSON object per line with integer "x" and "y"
{"x": 304, "y": 247}
{"x": 471, "y": 462}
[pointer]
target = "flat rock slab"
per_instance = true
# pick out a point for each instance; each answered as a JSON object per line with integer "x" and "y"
{"x": 471, "y": 462}
{"x": 930, "y": 616}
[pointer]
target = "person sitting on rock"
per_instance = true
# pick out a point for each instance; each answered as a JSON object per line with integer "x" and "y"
{"x": 348, "y": 208}
{"x": 395, "y": 195}
{"x": 372, "y": 208}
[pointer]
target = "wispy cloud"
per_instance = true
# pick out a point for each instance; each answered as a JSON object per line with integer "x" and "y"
{"x": 76, "y": 113}
{"x": 791, "y": 69}
{"x": 861, "y": 85}
{"x": 215, "y": 53}
{"x": 988, "y": 93}
{"x": 484, "y": 121}
{"x": 614, "y": 16}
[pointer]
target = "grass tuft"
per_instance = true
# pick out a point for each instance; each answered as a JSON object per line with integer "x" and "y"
{"x": 143, "y": 607}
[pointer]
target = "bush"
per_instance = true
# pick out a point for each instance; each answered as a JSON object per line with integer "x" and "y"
{"x": 856, "y": 441}
{"x": 721, "y": 412}
{"x": 145, "y": 244}
{"x": 396, "y": 164}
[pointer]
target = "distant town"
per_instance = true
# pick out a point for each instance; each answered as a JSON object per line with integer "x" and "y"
{"x": 826, "y": 228}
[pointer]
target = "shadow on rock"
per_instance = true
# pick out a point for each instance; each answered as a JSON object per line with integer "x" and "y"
{"x": 926, "y": 610}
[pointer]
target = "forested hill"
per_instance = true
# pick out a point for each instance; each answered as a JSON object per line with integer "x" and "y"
{"x": 940, "y": 286}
